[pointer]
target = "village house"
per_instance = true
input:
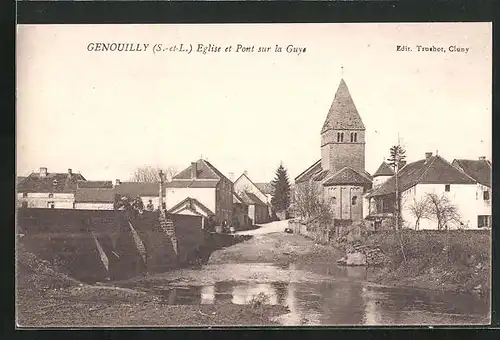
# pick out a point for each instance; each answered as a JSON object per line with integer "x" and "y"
{"x": 95, "y": 198}
{"x": 415, "y": 180}
{"x": 258, "y": 202}
{"x": 210, "y": 192}
{"x": 340, "y": 174}
{"x": 480, "y": 170}
{"x": 45, "y": 189}
{"x": 94, "y": 195}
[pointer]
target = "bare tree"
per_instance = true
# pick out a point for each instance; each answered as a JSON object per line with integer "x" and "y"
{"x": 420, "y": 209}
{"x": 151, "y": 174}
{"x": 310, "y": 205}
{"x": 443, "y": 211}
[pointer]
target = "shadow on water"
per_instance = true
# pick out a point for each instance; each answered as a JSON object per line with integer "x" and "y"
{"x": 342, "y": 297}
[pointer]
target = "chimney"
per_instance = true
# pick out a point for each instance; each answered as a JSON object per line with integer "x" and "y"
{"x": 231, "y": 176}
{"x": 70, "y": 172}
{"x": 117, "y": 182}
{"x": 194, "y": 170}
{"x": 428, "y": 155}
{"x": 245, "y": 172}
{"x": 482, "y": 158}
{"x": 43, "y": 172}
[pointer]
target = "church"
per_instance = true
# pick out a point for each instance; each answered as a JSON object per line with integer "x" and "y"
{"x": 340, "y": 173}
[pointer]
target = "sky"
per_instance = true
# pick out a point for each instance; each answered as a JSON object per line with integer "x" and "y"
{"x": 104, "y": 114}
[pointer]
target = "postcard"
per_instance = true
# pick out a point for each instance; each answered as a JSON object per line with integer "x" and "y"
{"x": 174, "y": 175}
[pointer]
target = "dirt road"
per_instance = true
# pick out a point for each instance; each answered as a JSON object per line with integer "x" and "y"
{"x": 268, "y": 228}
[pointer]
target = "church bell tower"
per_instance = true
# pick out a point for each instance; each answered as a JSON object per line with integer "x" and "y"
{"x": 343, "y": 134}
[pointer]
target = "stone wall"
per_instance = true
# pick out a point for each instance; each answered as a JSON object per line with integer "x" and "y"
{"x": 67, "y": 237}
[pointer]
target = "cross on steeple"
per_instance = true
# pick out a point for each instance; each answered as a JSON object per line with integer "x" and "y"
{"x": 342, "y": 71}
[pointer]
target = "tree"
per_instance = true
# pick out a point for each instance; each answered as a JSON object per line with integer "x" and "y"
{"x": 151, "y": 174}
{"x": 396, "y": 160}
{"x": 420, "y": 209}
{"x": 397, "y": 155}
{"x": 310, "y": 205}
{"x": 281, "y": 190}
{"x": 443, "y": 211}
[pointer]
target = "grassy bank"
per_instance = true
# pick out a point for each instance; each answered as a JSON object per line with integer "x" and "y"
{"x": 441, "y": 260}
{"x": 46, "y": 297}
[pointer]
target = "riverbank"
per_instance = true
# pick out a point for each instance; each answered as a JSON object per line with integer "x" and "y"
{"x": 46, "y": 297}
{"x": 458, "y": 261}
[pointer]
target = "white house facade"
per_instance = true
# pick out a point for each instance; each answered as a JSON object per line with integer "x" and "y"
{"x": 432, "y": 175}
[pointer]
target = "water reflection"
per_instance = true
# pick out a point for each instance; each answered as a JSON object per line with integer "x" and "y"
{"x": 343, "y": 298}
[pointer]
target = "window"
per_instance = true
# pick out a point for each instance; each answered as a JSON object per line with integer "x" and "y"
{"x": 338, "y": 136}
{"x": 51, "y": 205}
{"x": 354, "y": 200}
{"x": 24, "y": 204}
{"x": 25, "y": 194}
{"x": 341, "y": 136}
{"x": 54, "y": 182}
{"x": 352, "y": 137}
{"x": 355, "y": 137}
{"x": 483, "y": 221}
{"x": 334, "y": 200}
{"x": 447, "y": 187}
{"x": 51, "y": 195}
{"x": 486, "y": 195}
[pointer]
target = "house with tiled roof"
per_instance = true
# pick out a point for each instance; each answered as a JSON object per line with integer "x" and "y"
{"x": 45, "y": 189}
{"x": 258, "y": 202}
{"x": 207, "y": 185}
{"x": 94, "y": 198}
{"x": 340, "y": 173}
{"x": 481, "y": 171}
{"x": 415, "y": 180}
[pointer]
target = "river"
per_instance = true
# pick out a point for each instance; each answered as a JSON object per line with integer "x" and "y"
{"x": 323, "y": 294}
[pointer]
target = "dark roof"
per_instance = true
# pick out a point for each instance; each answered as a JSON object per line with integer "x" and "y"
{"x": 347, "y": 176}
{"x": 266, "y": 188}
{"x": 384, "y": 170}
{"x": 205, "y": 171}
{"x": 343, "y": 113}
{"x": 249, "y": 198}
{"x": 435, "y": 170}
{"x": 95, "y": 184}
{"x": 94, "y": 195}
{"x": 305, "y": 175}
{"x": 190, "y": 202}
{"x": 197, "y": 183}
{"x": 480, "y": 170}
{"x": 51, "y": 183}
{"x": 134, "y": 189}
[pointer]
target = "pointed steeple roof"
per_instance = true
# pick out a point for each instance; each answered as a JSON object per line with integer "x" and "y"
{"x": 343, "y": 113}
{"x": 384, "y": 170}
